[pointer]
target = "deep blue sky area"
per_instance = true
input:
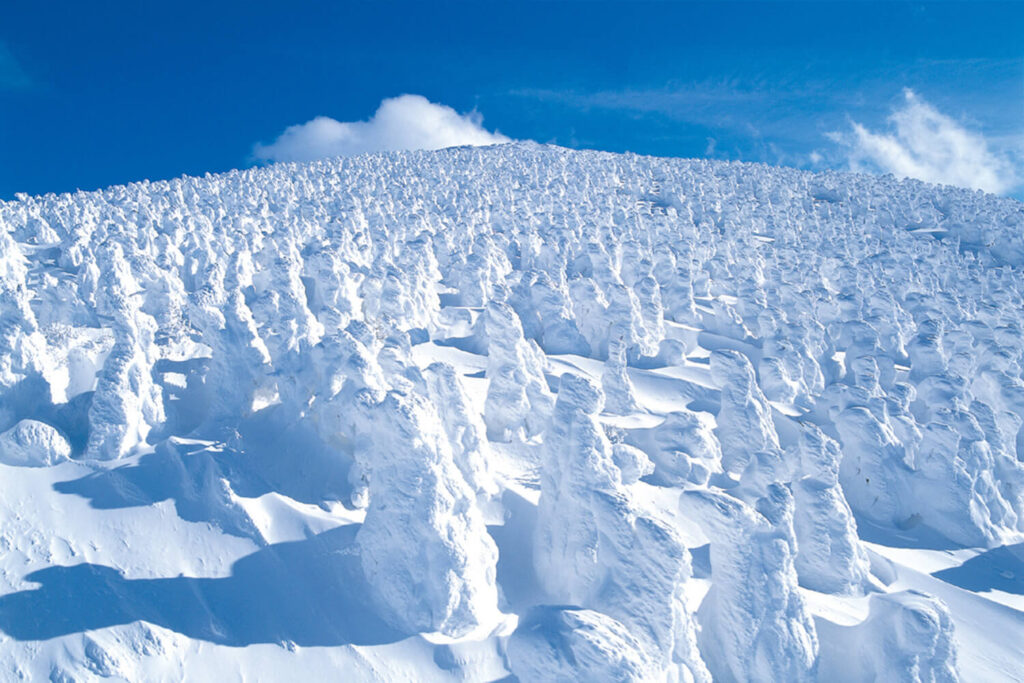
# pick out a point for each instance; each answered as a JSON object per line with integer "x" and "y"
{"x": 94, "y": 94}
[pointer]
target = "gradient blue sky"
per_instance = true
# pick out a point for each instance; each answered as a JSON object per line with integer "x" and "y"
{"x": 93, "y": 94}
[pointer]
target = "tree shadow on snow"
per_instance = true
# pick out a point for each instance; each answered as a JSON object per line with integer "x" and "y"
{"x": 1000, "y": 568}
{"x": 190, "y": 475}
{"x": 29, "y": 399}
{"x": 912, "y": 534}
{"x": 514, "y": 539}
{"x": 271, "y": 456}
{"x": 309, "y": 592}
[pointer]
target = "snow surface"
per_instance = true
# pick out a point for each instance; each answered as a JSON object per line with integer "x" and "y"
{"x": 514, "y": 412}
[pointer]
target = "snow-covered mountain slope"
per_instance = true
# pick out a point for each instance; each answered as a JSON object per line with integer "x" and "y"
{"x": 512, "y": 412}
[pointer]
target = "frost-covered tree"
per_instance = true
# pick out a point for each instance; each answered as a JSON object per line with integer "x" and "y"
{"x": 620, "y": 396}
{"x": 683, "y": 448}
{"x": 754, "y": 623}
{"x": 592, "y": 546}
{"x": 424, "y": 548}
{"x": 830, "y": 557}
{"x": 745, "y": 423}
{"x": 518, "y": 398}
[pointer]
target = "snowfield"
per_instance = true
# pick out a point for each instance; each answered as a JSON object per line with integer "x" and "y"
{"x": 512, "y": 413}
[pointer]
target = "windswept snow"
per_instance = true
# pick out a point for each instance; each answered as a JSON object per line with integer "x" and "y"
{"x": 513, "y": 411}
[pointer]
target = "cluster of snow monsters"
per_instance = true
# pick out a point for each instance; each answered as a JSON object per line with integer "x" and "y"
{"x": 866, "y": 356}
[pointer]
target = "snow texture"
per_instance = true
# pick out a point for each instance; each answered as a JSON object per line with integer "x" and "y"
{"x": 907, "y": 636}
{"x": 512, "y": 411}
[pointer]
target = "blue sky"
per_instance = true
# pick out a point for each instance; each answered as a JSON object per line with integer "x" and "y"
{"x": 93, "y": 94}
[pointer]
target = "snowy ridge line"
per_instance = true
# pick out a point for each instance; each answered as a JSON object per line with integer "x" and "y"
{"x": 395, "y": 354}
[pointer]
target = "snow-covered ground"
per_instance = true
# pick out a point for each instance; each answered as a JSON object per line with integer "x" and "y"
{"x": 512, "y": 412}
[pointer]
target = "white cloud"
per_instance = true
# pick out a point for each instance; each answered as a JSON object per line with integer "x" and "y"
{"x": 404, "y": 122}
{"x": 928, "y": 145}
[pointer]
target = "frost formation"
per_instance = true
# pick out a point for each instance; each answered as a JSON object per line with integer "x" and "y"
{"x": 534, "y": 384}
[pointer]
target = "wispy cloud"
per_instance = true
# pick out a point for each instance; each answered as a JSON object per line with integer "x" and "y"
{"x": 400, "y": 123}
{"x": 12, "y": 75}
{"x": 790, "y": 117}
{"x": 711, "y": 101}
{"x": 773, "y": 120}
{"x": 926, "y": 144}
